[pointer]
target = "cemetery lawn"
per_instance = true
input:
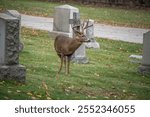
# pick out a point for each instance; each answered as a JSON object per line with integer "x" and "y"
{"x": 114, "y": 16}
{"x": 109, "y": 74}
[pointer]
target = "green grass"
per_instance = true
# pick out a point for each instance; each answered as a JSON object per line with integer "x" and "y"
{"x": 113, "y": 16}
{"x": 109, "y": 74}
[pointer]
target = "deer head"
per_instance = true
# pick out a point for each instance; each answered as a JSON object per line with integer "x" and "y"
{"x": 80, "y": 35}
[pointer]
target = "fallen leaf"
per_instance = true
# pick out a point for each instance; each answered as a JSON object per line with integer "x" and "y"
{"x": 34, "y": 98}
{"x": 2, "y": 82}
{"x": 29, "y": 93}
{"x": 48, "y": 98}
{"x": 47, "y": 93}
{"x": 39, "y": 96}
{"x": 44, "y": 85}
{"x": 6, "y": 97}
{"x": 66, "y": 90}
{"x": 106, "y": 97}
{"x": 124, "y": 91}
{"x": 9, "y": 91}
{"x": 96, "y": 74}
{"x": 18, "y": 91}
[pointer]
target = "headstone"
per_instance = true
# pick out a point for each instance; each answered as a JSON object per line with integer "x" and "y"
{"x": 79, "y": 55}
{"x": 9, "y": 49}
{"x": 145, "y": 67}
{"x": 90, "y": 35}
{"x": 17, "y": 15}
{"x": 61, "y": 25}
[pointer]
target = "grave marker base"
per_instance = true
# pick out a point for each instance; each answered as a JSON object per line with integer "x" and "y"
{"x": 13, "y": 72}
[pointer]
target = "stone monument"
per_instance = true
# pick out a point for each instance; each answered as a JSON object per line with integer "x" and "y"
{"x": 90, "y": 35}
{"x": 9, "y": 49}
{"x": 145, "y": 66}
{"x": 17, "y": 15}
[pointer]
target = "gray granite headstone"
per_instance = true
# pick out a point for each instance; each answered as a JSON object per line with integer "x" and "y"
{"x": 145, "y": 67}
{"x": 90, "y": 35}
{"x": 9, "y": 49}
{"x": 61, "y": 25}
{"x": 16, "y": 14}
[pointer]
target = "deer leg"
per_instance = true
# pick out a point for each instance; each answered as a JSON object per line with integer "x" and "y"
{"x": 66, "y": 70}
{"x": 65, "y": 62}
{"x": 68, "y": 65}
{"x": 61, "y": 64}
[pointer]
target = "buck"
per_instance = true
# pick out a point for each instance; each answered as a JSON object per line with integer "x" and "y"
{"x": 66, "y": 46}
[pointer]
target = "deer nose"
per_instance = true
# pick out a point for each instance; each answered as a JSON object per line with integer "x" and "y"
{"x": 87, "y": 39}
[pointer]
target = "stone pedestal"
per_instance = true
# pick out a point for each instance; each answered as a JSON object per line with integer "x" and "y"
{"x": 12, "y": 72}
{"x": 9, "y": 49}
{"x": 143, "y": 69}
{"x": 145, "y": 66}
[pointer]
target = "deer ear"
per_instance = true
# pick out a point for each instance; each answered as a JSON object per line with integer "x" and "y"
{"x": 77, "y": 37}
{"x": 76, "y": 32}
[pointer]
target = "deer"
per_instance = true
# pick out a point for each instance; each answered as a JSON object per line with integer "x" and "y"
{"x": 66, "y": 46}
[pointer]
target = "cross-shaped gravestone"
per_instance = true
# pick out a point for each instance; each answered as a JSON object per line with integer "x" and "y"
{"x": 79, "y": 56}
{"x": 76, "y": 20}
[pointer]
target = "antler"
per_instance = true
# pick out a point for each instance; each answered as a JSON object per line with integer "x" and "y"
{"x": 74, "y": 28}
{"x": 85, "y": 26}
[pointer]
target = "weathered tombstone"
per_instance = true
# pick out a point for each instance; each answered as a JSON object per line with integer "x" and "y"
{"x": 9, "y": 49}
{"x": 90, "y": 35}
{"x": 61, "y": 25}
{"x": 145, "y": 67}
{"x": 17, "y": 15}
{"x": 80, "y": 54}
